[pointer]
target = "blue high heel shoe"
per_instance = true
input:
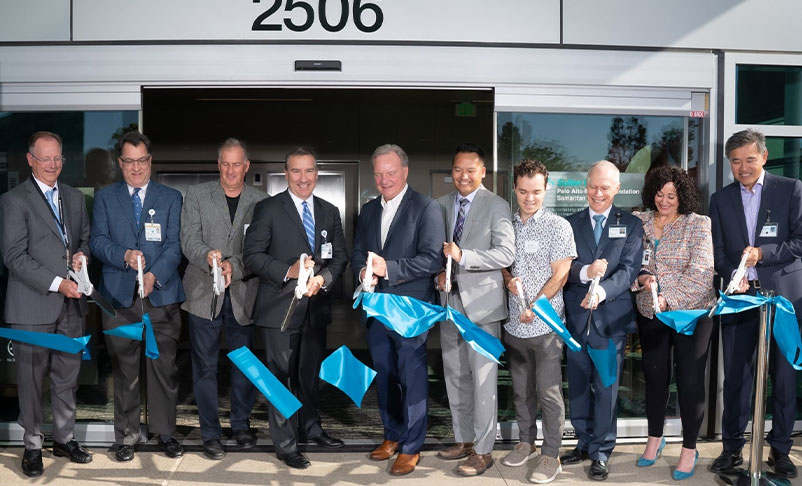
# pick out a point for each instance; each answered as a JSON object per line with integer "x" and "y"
{"x": 679, "y": 475}
{"x": 643, "y": 462}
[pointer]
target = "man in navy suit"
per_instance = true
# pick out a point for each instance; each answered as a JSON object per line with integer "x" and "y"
{"x": 141, "y": 218}
{"x": 404, "y": 229}
{"x": 608, "y": 242}
{"x": 759, "y": 214}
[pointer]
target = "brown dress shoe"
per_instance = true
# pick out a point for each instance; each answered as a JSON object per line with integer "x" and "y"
{"x": 405, "y": 464}
{"x": 384, "y": 451}
{"x": 457, "y": 451}
{"x": 475, "y": 465}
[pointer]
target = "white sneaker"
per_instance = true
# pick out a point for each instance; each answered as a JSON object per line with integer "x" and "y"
{"x": 520, "y": 453}
{"x": 546, "y": 469}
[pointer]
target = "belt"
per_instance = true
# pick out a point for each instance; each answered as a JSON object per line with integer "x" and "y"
{"x": 754, "y": 284}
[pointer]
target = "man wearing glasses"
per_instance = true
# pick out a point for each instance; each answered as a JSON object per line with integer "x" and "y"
{"x": 138, "y": 220}
{"x": 45, "y": 227}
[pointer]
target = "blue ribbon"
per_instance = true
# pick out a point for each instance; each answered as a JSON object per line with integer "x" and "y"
{"x": 264, "y": 381}
{"x": 347, "y": 373}
{"x": 545, "y": 311}
{"x": 605, "y": 362}
{"x": 411, "y": 317}
{"x": 134, "y": 331}
{"x": 49, "y": 340}
{"x": 682, "y": 321}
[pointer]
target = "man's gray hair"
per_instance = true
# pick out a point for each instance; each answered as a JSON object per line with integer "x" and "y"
{"x": 388, "y": 148}
{"x": 605, "y": 165}
{"x": 744, "y": 138}
{"x": 232, "y": 143}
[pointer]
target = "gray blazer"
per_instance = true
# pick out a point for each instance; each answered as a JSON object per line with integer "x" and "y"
{"x": 205, "y": 226}
{"x": 34, "y": 253}
{"x": 488, "y": 245}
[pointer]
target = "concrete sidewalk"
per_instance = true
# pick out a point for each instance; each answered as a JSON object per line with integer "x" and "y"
{"x": 262, "y": 468}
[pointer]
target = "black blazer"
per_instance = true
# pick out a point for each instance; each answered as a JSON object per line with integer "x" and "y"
{"x": 274, "y": 241}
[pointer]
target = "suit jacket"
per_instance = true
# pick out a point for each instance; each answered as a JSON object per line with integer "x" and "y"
{"x": 413, "y": 248}
{"x": 114, "y": 230}
{"x": 780, "y": 268}
{"x": 206, "y": 225}
{"x": 488, "y": 245}
{"x": 274, "y": 241}
{"x": 34, "y": 253}
{"x": 614, "y": 316}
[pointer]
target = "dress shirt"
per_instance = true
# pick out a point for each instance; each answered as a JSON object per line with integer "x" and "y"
{"x": 142, "y": 191}
{"x": 751, "y": 203}
{"x": 310, "y": 201}
{"x": 469, "y": 197}
{"x": 389, "y": 208}
{"x": 583, "y": 272}
{"x": 54, "y": 285}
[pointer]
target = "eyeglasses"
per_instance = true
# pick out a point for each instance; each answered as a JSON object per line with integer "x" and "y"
{"x": 47, "y": 160}
{"x": 141, "y": 161}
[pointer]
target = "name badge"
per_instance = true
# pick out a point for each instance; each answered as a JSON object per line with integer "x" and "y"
{"x": 531, "y": 246}
{"x": 245, "y": 228}
{"x": 153, "y": 232}
{"x": 647, "y": 257}
{"x": 617, "y": 231}
{"x": 326, "y": 251}
{"x": 769, "y": 230}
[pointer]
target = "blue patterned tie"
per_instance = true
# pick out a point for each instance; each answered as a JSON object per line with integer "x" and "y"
{"x": 51, "y": 198}
{"x": 137, "y": 201}
{"x": 463, "y": 203}
{"x": 597, "y": 230}
{"x": 309, "y": 226}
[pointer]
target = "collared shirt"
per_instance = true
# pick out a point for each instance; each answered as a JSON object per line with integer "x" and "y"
{"x": 142, "y": 191}
{"x": 548, "y": 238}
{"x": 470, "y": 197}
{"x": 56, "y": 283}
{"x": 389, "y": 208}
{"x": 583, "y": 272}
{"x": 751, "y": 202}
{"x": 310, "y": 201}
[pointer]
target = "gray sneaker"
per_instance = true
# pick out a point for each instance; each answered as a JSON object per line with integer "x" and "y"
{"x": 546, "y": 469}
{"x": 520, "y": 453}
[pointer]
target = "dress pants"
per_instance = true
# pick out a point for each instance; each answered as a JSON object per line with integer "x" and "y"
{"x": 161, "y": 373}
{"x": 471, "y": 384}
{"x": 536, "y": 369}
{"x": 294, "y": 357}
{"x": 402, "y": 384}
{"x": 592, "y": 407}
{"x": 204, "y": 335}
{"x": 739, "y": 334}
{"x": 33, "y": 363}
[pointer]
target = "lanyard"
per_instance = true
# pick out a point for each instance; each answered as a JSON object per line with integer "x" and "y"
{"x": 59, "y": 223}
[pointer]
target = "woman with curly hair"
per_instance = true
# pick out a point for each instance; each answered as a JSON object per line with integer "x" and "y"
{"x": 678, "y": 257}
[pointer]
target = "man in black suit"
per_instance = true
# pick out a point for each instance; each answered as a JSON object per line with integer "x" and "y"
{"x": 285, "y": 226}
{"x": 759, "y": 214}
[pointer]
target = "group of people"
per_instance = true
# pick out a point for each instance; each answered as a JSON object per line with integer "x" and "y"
{"x": 587, "y": 265}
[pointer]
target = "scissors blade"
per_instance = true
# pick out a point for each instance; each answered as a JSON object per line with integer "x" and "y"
{"x": 288, "y": 315}
{"x": 214, "y": 305}
{"x": 101, "y": 302}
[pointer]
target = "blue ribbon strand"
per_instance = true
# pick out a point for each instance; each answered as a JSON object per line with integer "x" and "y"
{"x": 682, "y": 321}
{"x": 545, "y": 311}
{"x": 477, "y": 338}
{"x": 134, "y": 331}
{"x": 264, "y": 381}
{"x": 605, "y": 362}
{"x": 57, "y": 342}
{"x": 347, "y": 373}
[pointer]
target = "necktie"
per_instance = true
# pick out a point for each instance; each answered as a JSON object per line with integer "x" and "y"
{"x": 463, "y": 203}
{"x": 137, "y": 201}
{"x": 597, "y": 230}
{"x": 51, "y": 198}
{"x": 309, "y": 226}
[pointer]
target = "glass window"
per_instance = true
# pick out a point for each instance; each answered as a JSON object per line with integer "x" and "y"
{"x": 768, "y": 95}
{"x": 785, "y": 156}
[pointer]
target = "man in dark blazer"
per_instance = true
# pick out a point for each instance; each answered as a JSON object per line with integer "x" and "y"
{"x": 759, "y": 214}
{"x": 404, "y": 229}
{"x": 45, "y": 228}
{"x": 608, "y": 244}
{"x": 285, "y": 226}
{"x": 214, "y": 218}
{"x": 138, "y": 217}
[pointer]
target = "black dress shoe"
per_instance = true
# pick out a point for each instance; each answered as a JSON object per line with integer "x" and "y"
{"x": 781, "y": 464}
{"x": 73, "y": 450}
{"x": 124, "y": 453}
{"x": 213, "y": 449}
{"x": 32, "y": 462}
{"x": 727, "y": 461}
{"x": 327, "y": 441}
{"x": 171, "y": 447}
{"x": 245, "y": 438}
{"x": 598, "y": 470}
{"x": 295, "y": 460}
{"x": 574, "y": 457}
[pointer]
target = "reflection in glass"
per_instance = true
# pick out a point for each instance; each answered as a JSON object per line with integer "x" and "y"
{"x": 785, "y": 156}
{"x": 768, "y": 95}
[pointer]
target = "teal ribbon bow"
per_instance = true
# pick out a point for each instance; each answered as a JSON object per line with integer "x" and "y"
{"x": 265, "y": 381}
{"x": 343, "y": 370}
{"x": 606, "y": 362}
{"x": 682, "y": 321}
{"x": 545, "y": 311}
{"x": 49, "y": 340}
{"x": 134, "y": 331}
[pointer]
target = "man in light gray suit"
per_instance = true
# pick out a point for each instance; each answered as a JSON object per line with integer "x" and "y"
{"x": 214, "y": 218}
{"x": 480, "y": 239}
{"x": 45, "y": 228}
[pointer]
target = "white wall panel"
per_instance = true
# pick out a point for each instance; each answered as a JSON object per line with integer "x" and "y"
{"x": 34, "y": 20}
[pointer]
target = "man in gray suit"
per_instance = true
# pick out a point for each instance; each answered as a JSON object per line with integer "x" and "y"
{"x": 480, "y": 239}
{"x": 214, "y": 218}
{"x": 45, "y": 228}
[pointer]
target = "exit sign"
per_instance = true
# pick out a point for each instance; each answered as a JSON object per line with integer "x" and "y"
{"x": 465, "y": 110}
{"x": 698, "y": 114}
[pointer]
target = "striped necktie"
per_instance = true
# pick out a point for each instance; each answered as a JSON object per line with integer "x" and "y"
{"x": 463, "y": 203}
{"x": 309, "y": 226}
